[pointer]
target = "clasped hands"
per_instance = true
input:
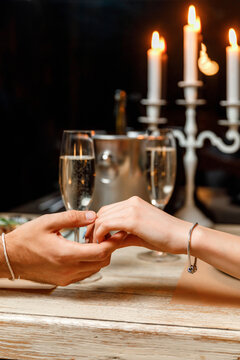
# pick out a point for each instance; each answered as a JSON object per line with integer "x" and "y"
{"x": 38, "y": 252}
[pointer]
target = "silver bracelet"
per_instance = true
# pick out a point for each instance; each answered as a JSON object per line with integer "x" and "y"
{"x": 6, "y": 258}
{"x": 192, "y": 268}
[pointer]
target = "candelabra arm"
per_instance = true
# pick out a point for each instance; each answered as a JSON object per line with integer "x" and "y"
{"x": 231, "y": 135}
{"x": 181, "y": 137}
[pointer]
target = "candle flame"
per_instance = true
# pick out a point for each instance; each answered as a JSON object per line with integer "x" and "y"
{"x": 193, "y": 19}
{"x": 232, "y": 37}
{"x": 158, "y": 42}
{"x": 155, "y": 40}
{"x": 162, "y": 44}
{"x": 198, "y": 24}
{"x": 192, "y": 15}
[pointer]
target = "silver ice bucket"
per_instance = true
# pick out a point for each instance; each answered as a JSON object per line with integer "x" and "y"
{"x": 119, "y": 169}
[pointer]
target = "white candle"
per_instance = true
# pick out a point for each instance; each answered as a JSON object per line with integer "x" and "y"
{"x": 190, "y": 44}
{"x": 233, "y": 56}
{"x": 232, "y": 53}
{"x": 154, "y": 56}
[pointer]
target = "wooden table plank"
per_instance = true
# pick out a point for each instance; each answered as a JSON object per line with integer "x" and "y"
{"x": 126, "y": 315}
{"x": 34, "y": 337}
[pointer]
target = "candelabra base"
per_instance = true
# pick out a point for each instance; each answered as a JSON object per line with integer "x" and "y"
{"x": 192, "y": 214}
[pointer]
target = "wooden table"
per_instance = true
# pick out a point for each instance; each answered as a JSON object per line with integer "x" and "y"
{"x": 126, "y": 315}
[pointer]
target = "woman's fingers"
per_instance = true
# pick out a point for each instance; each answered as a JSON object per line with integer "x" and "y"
{"x": 104, "y": 211}
{"x": 89, "y": 233}
{"x": 109, "y": 208}
{"x": 118, "y": 216}
{"x": 134, "y": 201}
{"x": 124, "y": 219}
{"x": 125, "y": 215}
{"x": 119, "y": 236}
{"x": 107, "y": 226}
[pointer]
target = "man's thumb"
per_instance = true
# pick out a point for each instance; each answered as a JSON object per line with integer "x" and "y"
{"x": 70, "y": 219}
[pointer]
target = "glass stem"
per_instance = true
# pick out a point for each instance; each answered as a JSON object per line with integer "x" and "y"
{"x": 76, "y": 235}
{"x": 154, "y": 195}
{"x": 161, "y": 253}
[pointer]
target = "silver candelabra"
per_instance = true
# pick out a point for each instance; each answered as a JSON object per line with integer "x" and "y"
{"x": 191, "y": 140}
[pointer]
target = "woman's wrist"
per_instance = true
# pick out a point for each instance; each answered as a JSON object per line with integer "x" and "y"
{"x": 178, "y": 231}
{"x": 197, "y": 242}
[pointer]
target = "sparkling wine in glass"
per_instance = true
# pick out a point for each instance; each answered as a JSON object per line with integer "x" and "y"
{"x": 160, "y": 175}
{"x": 77, "y": 174}
{"x": 77, "y": 171}
{"x": 77, "y": 180}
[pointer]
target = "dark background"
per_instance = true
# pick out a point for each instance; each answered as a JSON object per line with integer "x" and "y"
{"x": 60, "y": 63}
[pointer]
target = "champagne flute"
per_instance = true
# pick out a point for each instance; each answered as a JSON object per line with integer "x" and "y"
{"x": 160, "y": 175}
{"x": 77, "y": 174}
{"x": 77, "y": 171}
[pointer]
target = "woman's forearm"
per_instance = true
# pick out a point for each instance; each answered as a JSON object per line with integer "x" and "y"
{"x": 222, "y": 250}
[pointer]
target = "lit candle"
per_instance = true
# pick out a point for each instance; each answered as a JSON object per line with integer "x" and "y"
{"x": 190, "y": 39}
{"x": 232, "y": 55}
{"x": 155, "y": 72}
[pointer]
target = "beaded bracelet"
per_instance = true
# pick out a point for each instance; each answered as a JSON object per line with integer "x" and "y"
{"x": 192, "y": 268}
{"x": 6, "y": 258}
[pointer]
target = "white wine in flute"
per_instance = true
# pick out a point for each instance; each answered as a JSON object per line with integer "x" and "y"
{"x": 77, "y": 175}
{"x": 160, "y": 174}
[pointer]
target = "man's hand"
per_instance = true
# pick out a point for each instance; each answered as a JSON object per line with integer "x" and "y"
{"x": 38, "y": 252}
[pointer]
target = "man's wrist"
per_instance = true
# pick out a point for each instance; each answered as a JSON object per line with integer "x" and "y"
{"x": 4, "y": 271}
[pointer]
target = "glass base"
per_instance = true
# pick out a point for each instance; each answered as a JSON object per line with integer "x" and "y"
{"x": 157, "y": 256}
{"x": 90, "y": 279}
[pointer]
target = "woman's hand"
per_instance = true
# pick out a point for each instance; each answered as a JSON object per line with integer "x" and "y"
{"x": 146, "y": 225}
{"x": 37, "y": 251}
{"x": 150, "y": 227}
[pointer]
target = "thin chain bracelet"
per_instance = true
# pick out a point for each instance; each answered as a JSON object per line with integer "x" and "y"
{"x": 6, "y": 258}
{"x": 192, "y": 268}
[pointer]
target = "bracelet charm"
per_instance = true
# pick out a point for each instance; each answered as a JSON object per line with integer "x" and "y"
{"x": 192, "y": 268}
